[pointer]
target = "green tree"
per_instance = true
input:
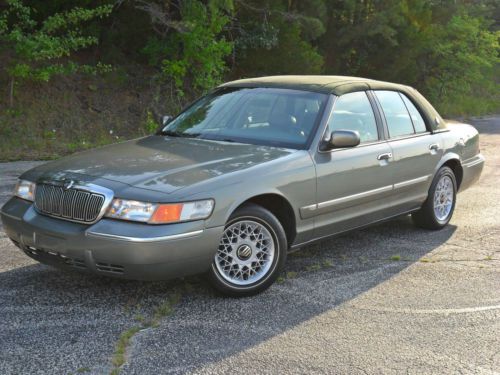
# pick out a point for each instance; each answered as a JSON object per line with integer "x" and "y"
{"x": 278, "y": 37}
{"x": 190, "y": 47}
{"x": 447, "y": 49}
{"x": 43, "y": 49}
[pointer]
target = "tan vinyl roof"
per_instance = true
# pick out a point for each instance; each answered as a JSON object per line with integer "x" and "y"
{"x": 339, "y": 85}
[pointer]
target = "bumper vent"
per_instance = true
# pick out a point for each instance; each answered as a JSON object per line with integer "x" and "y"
{"x": 70, "y": 204}
{"x": 105, "y": 267}
{"x": 55, "y": 257}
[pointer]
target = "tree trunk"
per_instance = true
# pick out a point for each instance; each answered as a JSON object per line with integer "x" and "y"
{"x": 11, "y": 92}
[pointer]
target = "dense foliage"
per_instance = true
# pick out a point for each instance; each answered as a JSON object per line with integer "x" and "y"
{"x": 448, "y": 49}
{"x": 43, "y": 48}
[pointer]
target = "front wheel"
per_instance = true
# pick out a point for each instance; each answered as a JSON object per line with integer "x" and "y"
{"x": 437, "y": 210}
{"x": 251, "y": 252}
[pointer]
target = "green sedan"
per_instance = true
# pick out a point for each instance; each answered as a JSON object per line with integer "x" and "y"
{"x": 251, "y": 171}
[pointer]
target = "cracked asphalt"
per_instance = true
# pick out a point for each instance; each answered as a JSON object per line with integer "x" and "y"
{"x": 387, "y": 299}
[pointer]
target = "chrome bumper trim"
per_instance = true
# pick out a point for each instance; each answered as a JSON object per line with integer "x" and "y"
{"x": 142, "y": 239}
{"x": 478, "y": 159}
{"x": 10, "y": 216}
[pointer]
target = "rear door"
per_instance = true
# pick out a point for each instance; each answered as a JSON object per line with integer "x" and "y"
{"x": 352, "y": 183}
{"x": 416, "y": 151}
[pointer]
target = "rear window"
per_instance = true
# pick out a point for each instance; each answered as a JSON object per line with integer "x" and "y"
{"x": 416, "y": 117}
{"x": 396, "y": 115}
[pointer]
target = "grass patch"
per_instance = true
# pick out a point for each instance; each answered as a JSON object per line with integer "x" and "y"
{"x": 313, "y": 267}
{"x": 82, "y": 370}
{"x": 327, "y": 263}
{"x": 489, "y": 257}
{"x": 166, "y": 308}
{"x": 289, "y": 275}
{"x": 122, "y": 344}
{"x": 396, "y": 257}
{"x": 139, "y": 318}
{"x": 425, "y": 260}
{"x": 306, "y": 252}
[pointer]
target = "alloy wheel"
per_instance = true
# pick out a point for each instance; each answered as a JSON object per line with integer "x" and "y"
{"x": 246, "y": 252}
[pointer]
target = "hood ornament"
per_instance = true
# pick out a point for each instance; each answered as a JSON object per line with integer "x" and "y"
{"x": 68, "y": 184}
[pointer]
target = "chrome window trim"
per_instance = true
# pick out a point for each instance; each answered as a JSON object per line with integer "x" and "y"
{"x": 144, "y": 239}
{"x": 367, "y": 144}
{"x": 84, "y": 186}
{"x": 403, "y": 137}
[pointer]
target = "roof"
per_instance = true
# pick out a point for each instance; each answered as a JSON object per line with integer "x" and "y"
{"x": 339, "y": 85}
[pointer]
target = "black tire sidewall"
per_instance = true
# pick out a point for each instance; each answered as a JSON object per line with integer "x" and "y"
{"x": 444, "y": 171}
{"x": 264, "y": 217}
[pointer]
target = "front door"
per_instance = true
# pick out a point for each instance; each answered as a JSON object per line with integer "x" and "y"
{"x": 353, "y": 184}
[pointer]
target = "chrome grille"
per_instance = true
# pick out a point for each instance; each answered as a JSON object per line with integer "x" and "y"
{"x": 69, "y": 204}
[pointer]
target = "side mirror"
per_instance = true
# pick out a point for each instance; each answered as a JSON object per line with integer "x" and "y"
{"x": 165, "y": 119}
{"x": 341, "y": 139}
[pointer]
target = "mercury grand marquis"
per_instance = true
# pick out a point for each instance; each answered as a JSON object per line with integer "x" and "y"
{"x": 251, "y": 171}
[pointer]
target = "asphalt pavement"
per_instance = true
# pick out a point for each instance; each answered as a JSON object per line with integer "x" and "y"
{"x": 388, "y": 299}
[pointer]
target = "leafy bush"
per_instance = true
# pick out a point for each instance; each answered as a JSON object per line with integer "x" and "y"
{"x": 193, "y": 57}
{"x": 41, "y": 49}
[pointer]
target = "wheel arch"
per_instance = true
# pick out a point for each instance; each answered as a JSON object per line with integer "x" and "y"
{"x": 452, "y": 161}
{"x": 279, "y": 206}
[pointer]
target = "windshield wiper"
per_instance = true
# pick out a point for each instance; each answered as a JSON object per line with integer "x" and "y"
{"x": 171, "y": 133}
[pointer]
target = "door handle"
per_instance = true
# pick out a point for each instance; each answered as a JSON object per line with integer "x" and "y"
{"x": 385, "y": 156}
{"x": 434, "y": 147}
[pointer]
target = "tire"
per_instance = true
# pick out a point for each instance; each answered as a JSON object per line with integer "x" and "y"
{"x": 251, "y": 253}
{"x": 437, "y": 210}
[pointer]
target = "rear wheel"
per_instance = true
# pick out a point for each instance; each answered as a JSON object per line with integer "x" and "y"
{"x": 438, "y": 209}
{"x": 251, "y": 252}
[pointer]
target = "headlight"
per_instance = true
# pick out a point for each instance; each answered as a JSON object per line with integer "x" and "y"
{"x": 160, "y": 213}
{"x": 25, "y": 190}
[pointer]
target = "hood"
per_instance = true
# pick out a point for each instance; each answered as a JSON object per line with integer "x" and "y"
{"x": 159, "y": 163}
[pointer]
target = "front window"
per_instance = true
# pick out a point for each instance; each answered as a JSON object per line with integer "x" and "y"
{"x": 353, "y": 111}
{"x": 262, "y": 116}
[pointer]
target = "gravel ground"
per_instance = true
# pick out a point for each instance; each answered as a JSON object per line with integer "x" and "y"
{"x": 387, "y": 299}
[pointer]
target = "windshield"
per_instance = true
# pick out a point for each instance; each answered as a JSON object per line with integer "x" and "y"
{"x": 262, "y": 116}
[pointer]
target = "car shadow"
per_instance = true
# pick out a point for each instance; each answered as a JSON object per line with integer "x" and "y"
{"x": 47, "y": 311}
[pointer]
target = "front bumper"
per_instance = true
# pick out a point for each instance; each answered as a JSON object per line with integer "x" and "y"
{"x": 112, "y": 247}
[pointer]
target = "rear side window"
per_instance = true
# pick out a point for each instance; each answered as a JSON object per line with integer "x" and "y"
{"x": 396, "y": 115}
{"x": 416, "y": 117}
{"x": 353, "y": 111}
